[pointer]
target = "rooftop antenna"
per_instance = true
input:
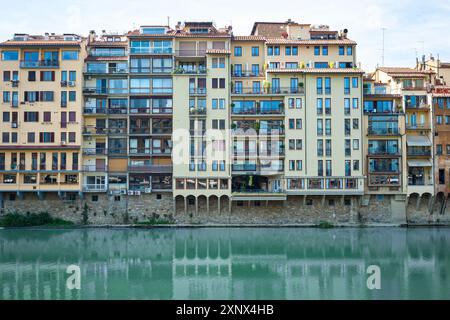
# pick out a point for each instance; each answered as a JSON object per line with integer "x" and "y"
{"x": 168, "y": 21}
{"x": 383, "y": 53}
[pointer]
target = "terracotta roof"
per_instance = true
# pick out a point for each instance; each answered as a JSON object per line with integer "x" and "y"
{"x": 218, "y": 51}
{"x": 445, "y": 65}
{"x": 310, "y": 42}
{"x": 269, "y": 29}
{"x": 249, "y": 38}
{"x": 404, "y": 72}
{"x": 317, "y": 70}
{"x": 92, "y": 58}
{"x": 40, "y": 43}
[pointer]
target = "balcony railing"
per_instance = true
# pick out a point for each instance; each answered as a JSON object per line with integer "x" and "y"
{"x": 148, "y": 50}
{"x": 246, "y": 73}
{"x": 419, "y": 153}
{"x": 92, "y": 130}
{"x": 95, "y": 168}
{"x": 257, "y": 111}
{"x": 89, "y": 110}
{"x": 139, "y": 130}
{"x": 383, "y": 131}
{"x": 104, "y": 91}
{"x": 106, "y": 71}
{"x": 117, "y": 131}
{"x": 95, "y": 187}
{"x": 24, "y": 64}
{"x": 190, "y": 53}
{"x": 197, "y": 91}
{"x": 376, "y": 180}
{"x": 167, "y": 130}
{"x": 268, "y": 91}
{"x": 140, "y": 151}
{"x": 256, "y": 168}
{"x": 261, "y": 132}
{"x": 151, "y": 168}
{"x": 418, "y": 127}
{"x": 95, "y": 151}
{"x": 197, "y": 111}
{"x": 186, "y": 70}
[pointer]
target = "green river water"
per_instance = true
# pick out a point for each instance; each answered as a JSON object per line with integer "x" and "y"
{"x": 259, "y": 263}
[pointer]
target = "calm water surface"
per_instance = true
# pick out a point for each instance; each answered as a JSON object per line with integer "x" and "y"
{"x": 225, "y": 263}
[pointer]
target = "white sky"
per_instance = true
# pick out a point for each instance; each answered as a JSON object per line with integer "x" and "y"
{"x": 413, "y": 27}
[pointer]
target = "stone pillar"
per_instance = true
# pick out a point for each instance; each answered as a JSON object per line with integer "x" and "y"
{"x": 218, "y": 204}
{"x": 196, "y": 206}
{"x": 207, "y": 205}
{"x": 185, "y": 205}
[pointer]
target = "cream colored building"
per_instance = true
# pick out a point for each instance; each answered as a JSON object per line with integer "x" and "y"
{"x": 41, "y": 87}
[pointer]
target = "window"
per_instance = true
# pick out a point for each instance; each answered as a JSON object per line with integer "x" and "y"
{"x": 341, "y": 50}
{"x": 31, "y": 76}
{"x": 356, "y": 165}
{"x": 47, "y": 116}
{"x": 348, "y": 168}
{"x": 320, "y": 168}
{"x": 10, "y": 55}
{"x": 319, "y": 106}
{"x": 255, "y": 51}
{"x": 276, "y": 50}
{"x": 238, "y": 51}
{"x": 355, "y": 103}
{"x": 298, "y": 144}
{"x": 348, "y": 150}
{"x": 320, "y": 148}
{"x": 288, "y": 51}
{"x": 46, "y": 137}
{"x": 355, "y": 144}
{"x": 6, "y": 116}
{"x": 346, "y": 85}
{"x": 319, "y": 127}
{"x": 6, "y": 76}
{"x": 347, "y": 106}
{"x": 298, "y": 124}
{"x": 355, "y": 82}
{"x": 6, "y": 96}
{"x": 329, "y": 171}
{"x": 324, "y": 50}
{"x": 70, "y": 55}
{"x": 31, "y": 137}
{"x": 31, "y": 116}
{"x": 47, "y": 75}
{"x": 328, "y": 127}
{"x": 295, "y": 51}
{"x": 356, "y": 124}
{"x": 317, "y": 50}
{"x": 319, "y": 85}
{"x": 270, "y": 51}
{"x": 349, "y": 51}
{"x": 291, "y": 124}
{"x": 439, "y": 149}
{"x": 72, "y": 96}
{"x": 328, "y": 106}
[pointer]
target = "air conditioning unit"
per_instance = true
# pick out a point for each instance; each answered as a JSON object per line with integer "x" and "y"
{"x": 71, "y": 83}
{"x": 148, "y": 190}
{"x": 123, "y": 192}
{"x": 130, "y": 193}
{"x": 63, "y": 143}
{"x": 14, "y": 125}
{"x": 63, "y": 83}
{"x": 137, "y": 193}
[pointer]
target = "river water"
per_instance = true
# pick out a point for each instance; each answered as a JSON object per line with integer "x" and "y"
{"x": 260, "y": 263}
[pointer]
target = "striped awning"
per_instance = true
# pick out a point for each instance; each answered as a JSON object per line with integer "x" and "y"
{"x": 418, "y": 141}
{"x": 419, "y": 163}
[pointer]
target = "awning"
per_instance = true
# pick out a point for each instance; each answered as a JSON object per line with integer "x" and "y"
{"x": 418, "y": 141}
{"x": 419, "y": 163}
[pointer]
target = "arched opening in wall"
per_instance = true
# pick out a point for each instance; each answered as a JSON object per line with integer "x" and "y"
{"x": 439, "y": 204}
{"x": 213, "y": 205}
{"x": 179, "y": 205}
{"x": 191, "y": 205}
{"x": 224, "y": 203}
{"x": 202, "y": 207}
{"x": 425, "y": 203}
{"x": 412, "y": 203}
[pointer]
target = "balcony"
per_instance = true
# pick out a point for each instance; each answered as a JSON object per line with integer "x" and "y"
{"x": 419, "y": 153}
{"x": 95, "y": 151}
{"x": 95, "y": 188}
{"x": 140, "y": 151}
{"x": 134, "y": 130}
{"x": 104, "y": 91}
{"x": 252, "y": 111}
{"x": 418, "y": 126}
{"x": 92, "y": 130}
{"x": 162, "y": 131}
{"x": 118, "y": 131}
{"x": 190, "y": 53}
{"x": 254, "y": 168}
{"x": 246, "y": 74}
{"x": 383, "y": 131}
{"x": 421, "y": 106}
{"x": 94, "y": 168}
{"x": 150, "y": 50}
{"x": 199, "y": 112}
{"x": 383, "y": 180}
{"x": 109, "y": 70}
{"x": 197, "y": 91}
{"x": 190, "y": 71}
{"x": 94, "y": 111}
{"x": 149, "y": 168}
{"x": 41, "y": 64}
{"x": 267, "y": 91}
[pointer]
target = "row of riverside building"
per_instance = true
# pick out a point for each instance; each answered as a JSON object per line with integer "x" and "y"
{"x": 194, "y": 121}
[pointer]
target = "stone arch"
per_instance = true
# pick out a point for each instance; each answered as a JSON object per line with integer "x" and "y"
{"x": 179, "y": 204}
{"x": 224, "y": 202}
{"x": 439, "y": 204}
{"x": 202, "y": 203}
{"x": 191, "y": 202}
{"x": 426, "y": 203}
{"x": 213, "y": 205}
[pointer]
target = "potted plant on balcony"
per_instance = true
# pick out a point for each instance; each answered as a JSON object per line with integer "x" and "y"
{"x": 233, "y": 126}
{"x": 266, "y": 86}
{"x": 256, "y": 126}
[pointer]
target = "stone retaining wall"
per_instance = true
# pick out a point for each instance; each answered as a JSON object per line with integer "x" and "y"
{"x": 104, "y": 209}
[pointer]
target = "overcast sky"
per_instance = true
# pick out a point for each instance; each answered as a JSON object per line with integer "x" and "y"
{"x": 413, "y": 27}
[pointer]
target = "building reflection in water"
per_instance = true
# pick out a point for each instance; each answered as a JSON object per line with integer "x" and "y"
{"x": 225, "y": 263}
